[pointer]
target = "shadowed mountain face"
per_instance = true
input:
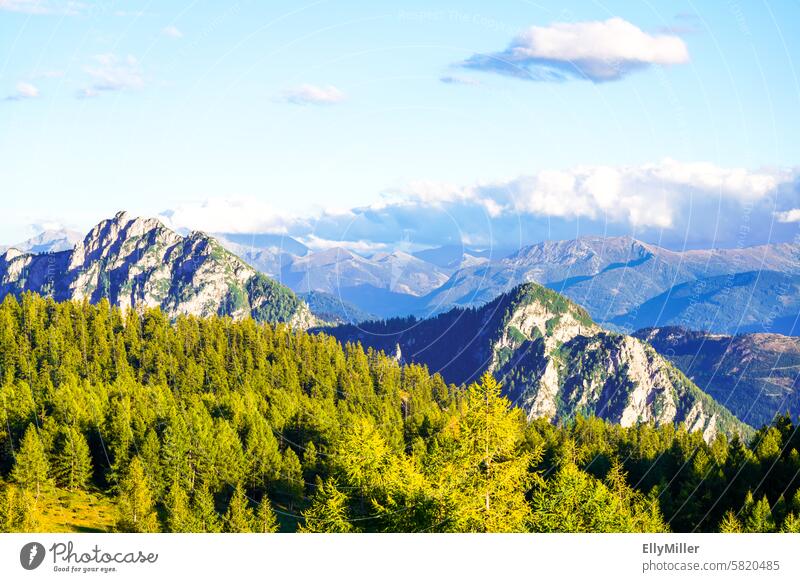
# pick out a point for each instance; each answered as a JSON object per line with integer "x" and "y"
{"x": 756, "y": 376}
{"x": 139, "y": 263}
{"x": 554, "y": 361}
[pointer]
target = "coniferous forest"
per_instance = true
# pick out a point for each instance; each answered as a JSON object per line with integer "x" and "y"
{"x": 113, "y": 421}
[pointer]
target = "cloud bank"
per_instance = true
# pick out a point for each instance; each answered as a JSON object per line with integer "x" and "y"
{"x": 672, "y": 203}
{"x": 597, "y": 51}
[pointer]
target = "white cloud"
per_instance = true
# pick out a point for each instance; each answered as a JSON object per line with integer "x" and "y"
{"x": 596, "y": 50}
{"x": 172, "y": 31}
{"x": 227, "y": 215}
{"x": 22, "y": 91}
{"x": 649, "y": 195}
{"x": 788, "y": 216}
{"x": 314, "y": 95}
{"x": 362, "y": 247}
{"x": 670, "y": 202}
{"x": 110, "y": 73}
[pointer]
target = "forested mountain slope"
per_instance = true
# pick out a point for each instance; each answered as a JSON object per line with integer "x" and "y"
{"x": 136, "y": 423}
{"x": 553, "y": 361}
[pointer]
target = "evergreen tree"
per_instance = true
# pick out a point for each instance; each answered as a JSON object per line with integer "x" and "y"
{"x": 9, "y": 510}
{"x": 485, "y": 472}
{"x": 328, "y": 511}
{"x": 239, "y": 517}
{"x": 757, "y": 515}
{"x": 179, "y": 516}
{"x": 265, "y": 521}
{"x": 31, "y": 468}
{"x": 136, "y": 513}
{"x": 204, "y": 512}
{"x": 791, "y": 524}
{"x": 730, "y": 523}
{"x": 72, "y": 465}
{"x": 291, "y": 483}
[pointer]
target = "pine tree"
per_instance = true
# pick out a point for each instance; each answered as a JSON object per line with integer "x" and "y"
{"x": 262, "y": 453}
{"x": 239, "y": 517}
{"x": 179, "y": 517}
{"x": 310, "y": 460}
{"x": 9, "y": 510}
{"x": 791, "y": 524}
{"x": 204, "y": 512}
{"x": 484, "y": 473}
{"x": 136, "y": 513}
{"x": 291, "y": 475}
{"x": 31, "y": 468}
{"x": 265, "y": 521}
{"x": 72, "y": 465}
{"x": 328, "y": 511}
{"x": 28, "y": 511}
{"x": 730, "y": 523}
{"x": 757, "y": 515}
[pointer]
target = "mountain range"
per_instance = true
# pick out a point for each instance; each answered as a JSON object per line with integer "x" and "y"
{"x": 47, "y": 241}
{"x": 625, "y": 284}
{"x": 555, "y": 356}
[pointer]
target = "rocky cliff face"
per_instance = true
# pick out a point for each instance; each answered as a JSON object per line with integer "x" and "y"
{"x": 553, "y": 360}
{"x": 139, "y": 263}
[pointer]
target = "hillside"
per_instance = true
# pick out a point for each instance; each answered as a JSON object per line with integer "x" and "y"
{"x": 553, "y": 361}
{"x": 756, "y": 376}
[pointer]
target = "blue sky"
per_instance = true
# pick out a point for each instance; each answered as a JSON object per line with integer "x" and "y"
{"x": 362, "y": 122}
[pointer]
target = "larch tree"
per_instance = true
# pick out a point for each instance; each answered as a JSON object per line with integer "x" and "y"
{"x": 239, "y": 517}
{"x": 136, "y": 511}
{"x": 206, "y": 518}
{"x": 72, "y": 465}
{"x": 328, "y": 512}
{"x": 484, "y": 471}
{"x": 31, "y": 467}
{"x": 265, "y": 521}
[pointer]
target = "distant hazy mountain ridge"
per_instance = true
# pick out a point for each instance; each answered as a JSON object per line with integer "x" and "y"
{"x": 624, "y": 283}
{"x": 48, "y": 241}
{"x": 615, "y": 277}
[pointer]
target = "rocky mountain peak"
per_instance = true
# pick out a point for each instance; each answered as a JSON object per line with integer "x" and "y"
{"x": 137, "y": 263}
